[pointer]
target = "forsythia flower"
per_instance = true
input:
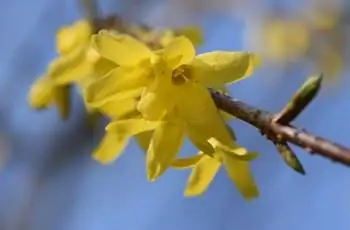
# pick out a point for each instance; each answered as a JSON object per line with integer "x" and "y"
{"x": 317, "y": 35}
{"x": 206, "y": 167}
{"x": 77, "y": 63}
{"x": 286, "y": 40}
{"x": 173, "y": 101}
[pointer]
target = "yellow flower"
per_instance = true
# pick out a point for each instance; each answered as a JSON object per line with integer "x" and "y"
{"x": 139, "y": 65}
{"x": 174, "y": 82}
{"x": 118, "y": 134}
{"x": 76, "y": 62}
{"x": 126, "y": 123}
{"x": 161, "y": 139}
{"x": 206, "y": 167}
{"x": 44, "y": 93}
{"x": 286, "y": 40}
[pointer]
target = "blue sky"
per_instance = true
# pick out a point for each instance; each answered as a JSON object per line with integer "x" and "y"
{"x": 78, "y": 194}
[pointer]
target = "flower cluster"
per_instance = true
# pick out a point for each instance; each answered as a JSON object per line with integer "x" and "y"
{"x": 157, "y": 94}
{"x": 316, "y": 33}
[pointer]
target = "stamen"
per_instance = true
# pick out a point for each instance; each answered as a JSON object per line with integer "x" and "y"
{"x": 181, "y": 75}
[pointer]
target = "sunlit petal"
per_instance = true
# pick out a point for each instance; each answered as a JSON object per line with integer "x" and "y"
{"x": 165, "y": 145}
{"x": 197, "y": 108}
{"x": 70, "y": 67}
{"x": 234, "y": 150}
{"x": 179, "y": 51}
{"x": 68, "y": 38}
{"x": 131, "y": 127}
{"x": 41, "y": 93}
{"x": 217, "y": 68}
{"x": 199, "y": 139}
{"x": 110, "y": 148}
{"x": 118, "y": 80}
{"x": 102, "y": 66}
{"x": 241, "y": 175}
{"x": 203, "y": 119}
{"x": 144, "y": 139}
{"x": 117, "y": 136}
{"x": 158, "y": 97}
{"x": 187, "y": 162}
{"x": 124, "y": 50}
{"x": 201, "y": 176}
{"x": 120, "y": 104}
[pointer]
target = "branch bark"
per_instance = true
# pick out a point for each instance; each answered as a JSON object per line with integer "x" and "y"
{"x": 264, "y": 121}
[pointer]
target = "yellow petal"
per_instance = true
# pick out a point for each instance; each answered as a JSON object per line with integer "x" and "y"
{"x": 121, "y": 49}
{"x": 144, "y": 139}
{"x": 118, "y": 80}
{"x": 62, "y": 100}
{"x": 68, "y": 38}
{"x": 131, "y": 127}
{"x": 233, "y": 151}
{"x": 165, "y": 145}
{"x": 153, "y": 105}
{"x": 69, "y": 68}
{"x": 103, "y": 66}
{"x": 118, "y": 134}
{"x": 179, "y": 51}
{"x": 84, "y": 82}
{"x": 120, "y": 104}
{"x": 110, "y": 148}
{"x": 217, "y": 68}
{"x": 203, "y": 119}
{"x": 116, "y": 111}
{"x": 199, "y": 140}
{"x": 158, "y": 96}
{"x": 241, "y": 175}
{"x": 201, "y": 176}
{"x": 186, "y": 162}
{"x": 41, "y": 93}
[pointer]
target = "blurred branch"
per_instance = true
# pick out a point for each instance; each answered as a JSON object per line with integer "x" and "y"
{"x": 90, "y": 9}
{"x": 275, "y": 127}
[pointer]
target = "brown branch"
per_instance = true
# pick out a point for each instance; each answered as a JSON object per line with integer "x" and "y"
{"x": 90, "y": 9}
{"x": 263, "y": 121}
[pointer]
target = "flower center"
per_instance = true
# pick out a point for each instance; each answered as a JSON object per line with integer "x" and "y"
{"x": 181, "y": 75}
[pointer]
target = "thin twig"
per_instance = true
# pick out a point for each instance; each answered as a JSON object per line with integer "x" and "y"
{"x": 263, "y": 121}
{"x": 90, "y": 9}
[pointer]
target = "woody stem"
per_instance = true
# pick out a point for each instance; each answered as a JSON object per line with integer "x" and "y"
{"x": 263, "y": 121}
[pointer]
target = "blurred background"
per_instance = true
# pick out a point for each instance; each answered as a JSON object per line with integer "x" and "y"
{"x": 48, "y": 180}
